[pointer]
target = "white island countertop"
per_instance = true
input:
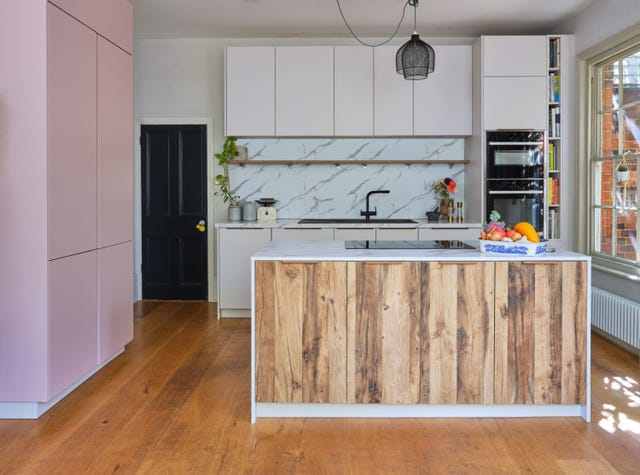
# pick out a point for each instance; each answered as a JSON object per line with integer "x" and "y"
{"x": 335, "y": 251}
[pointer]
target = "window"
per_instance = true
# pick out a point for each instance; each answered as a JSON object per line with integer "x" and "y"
{"x": 614, "y": 156}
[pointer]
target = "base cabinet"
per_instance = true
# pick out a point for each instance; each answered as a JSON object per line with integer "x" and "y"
{"x": 421, "y": 332}
{"x": 541, "y": 346}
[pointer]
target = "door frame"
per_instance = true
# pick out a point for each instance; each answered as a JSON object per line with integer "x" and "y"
{"x": 137, "y": 200}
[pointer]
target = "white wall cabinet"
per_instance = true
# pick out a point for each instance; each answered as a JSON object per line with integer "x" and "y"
{"x": 393, "y": 95}
{"x": 235, "y": 246}
{"x": 514, "y": 55}
{"x": 353, "y": 94}
{"x": 442, "y": 102}
{"x": 304, "y": 90}
{"x": 515, "y": 103}
{"x": 250, "y": 91}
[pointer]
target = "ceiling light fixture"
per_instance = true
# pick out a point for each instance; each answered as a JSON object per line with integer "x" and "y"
{"x": 415, "y": 59}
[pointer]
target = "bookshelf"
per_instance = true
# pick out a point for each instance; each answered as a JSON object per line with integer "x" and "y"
{"x": 554, "y": 138}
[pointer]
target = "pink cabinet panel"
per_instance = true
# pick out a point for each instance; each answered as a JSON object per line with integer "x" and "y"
{"x": 73, "y": 322}
{"x": 115, "y": 145}
{"x": 115, "y": 301}
{"x": 115, "y": 22}
{"x": 84, "y": 10}
{"x": 71, "y": 145}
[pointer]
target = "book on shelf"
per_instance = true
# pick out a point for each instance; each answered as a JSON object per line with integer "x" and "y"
{"x": 554, "y": 121}
{"x": 552, "y": 191}
{"x": 554, "y": 52}
{"x": 553, "y": 224}
{"x": 554, "y": 87}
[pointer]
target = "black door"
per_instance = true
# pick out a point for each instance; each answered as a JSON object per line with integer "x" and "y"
{"x": 174, "y": 201}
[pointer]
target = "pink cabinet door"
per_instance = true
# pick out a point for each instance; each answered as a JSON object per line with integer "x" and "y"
{"x": 115, "y": 299}
{"x": 84, "y": 10}
{"x": 73, "y": 322}
{"x": 115, "y": 22}
{"x": 71, "y": 115}
{"x": 115, "y": 145}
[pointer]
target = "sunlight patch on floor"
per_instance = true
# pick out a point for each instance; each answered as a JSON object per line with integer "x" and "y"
{"x": 612, "y": 419}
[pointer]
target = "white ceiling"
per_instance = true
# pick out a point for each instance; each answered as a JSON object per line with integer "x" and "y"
{"x": 368, "y": 18}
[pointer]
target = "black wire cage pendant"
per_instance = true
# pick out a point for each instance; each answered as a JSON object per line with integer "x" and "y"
{"x": 415, "y": 59}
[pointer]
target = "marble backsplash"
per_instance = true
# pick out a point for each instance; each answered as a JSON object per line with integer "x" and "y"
{"x": 336, "y": 191}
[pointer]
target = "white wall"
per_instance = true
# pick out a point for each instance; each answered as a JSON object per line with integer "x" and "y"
{"x": 604, "y": 18}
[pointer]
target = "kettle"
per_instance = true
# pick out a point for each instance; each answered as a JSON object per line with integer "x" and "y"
{"x": 249, "y": 211}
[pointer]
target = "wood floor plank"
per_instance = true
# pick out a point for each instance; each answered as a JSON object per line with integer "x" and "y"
{"x": 177, "y": 401}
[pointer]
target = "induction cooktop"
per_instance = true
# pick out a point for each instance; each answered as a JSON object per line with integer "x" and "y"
{"x": 407, "y": 245}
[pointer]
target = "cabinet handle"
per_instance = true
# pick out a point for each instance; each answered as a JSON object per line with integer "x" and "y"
{"x": 446, "y": 229}
{"x": 302, "y": 229}
{"x": 242, "y": 228}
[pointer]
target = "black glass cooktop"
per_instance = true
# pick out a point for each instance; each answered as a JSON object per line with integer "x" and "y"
{"x": 407, "y": 245}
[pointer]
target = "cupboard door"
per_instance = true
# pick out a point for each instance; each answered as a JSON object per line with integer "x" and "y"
{"x": 71, "y": 118}
{"x": 344, "y": 234}
{"x": 304, "y": 90}
{"x": 541, "y": 318}
{"x": 115, "y": 299}
{"x": 250, "y": 104}
{"x": 514, "y": 55}
{"x": 515, "y": 103}
{"x": 115, "y": 136}
{"x": 300, "y": 322}
{"x": 442, "y": 102}
{"x": 383, "y": 333}
{"x": 84, "y": 10}
{"x": 235, "y": 247}
{"x": 73, "y": 327}
{"x": 397, "y": 234}
{"x": 393, "y": 95}
{"x": 302, "y": 234}
{"x": 353, "y": 95}
{"x": 115, "y": 22}
{"x": 457, "y": 327}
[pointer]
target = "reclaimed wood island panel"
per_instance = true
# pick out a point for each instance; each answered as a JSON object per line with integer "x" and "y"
{"x": 451, "y": 333}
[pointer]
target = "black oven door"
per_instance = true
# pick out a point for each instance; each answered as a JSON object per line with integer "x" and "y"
{"x": 510, "y": 156}
{"x": 517, "y": 206}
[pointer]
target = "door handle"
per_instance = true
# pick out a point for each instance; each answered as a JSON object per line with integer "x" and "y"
{"x": 201, "y": 226}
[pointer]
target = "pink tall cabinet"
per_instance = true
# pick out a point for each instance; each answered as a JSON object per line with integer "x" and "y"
{"x": 66, "y": 196}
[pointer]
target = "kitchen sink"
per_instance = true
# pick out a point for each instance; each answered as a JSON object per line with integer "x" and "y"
{"x": 356, "y": 221}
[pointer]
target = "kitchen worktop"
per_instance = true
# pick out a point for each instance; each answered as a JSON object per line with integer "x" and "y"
{"x": 335, "y": 251}
{"x": 293, "y": 223}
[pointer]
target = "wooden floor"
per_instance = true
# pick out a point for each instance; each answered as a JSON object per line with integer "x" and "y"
{"x": 177, "y": 401}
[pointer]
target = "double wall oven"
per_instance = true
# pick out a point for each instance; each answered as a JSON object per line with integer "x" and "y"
{"x": 514, "y": 184}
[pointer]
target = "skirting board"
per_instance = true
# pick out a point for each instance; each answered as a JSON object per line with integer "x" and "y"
{"x": 33, "y": 410}
{"x": 419, "y": 411}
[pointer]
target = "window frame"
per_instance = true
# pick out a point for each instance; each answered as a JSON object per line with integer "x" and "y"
{"x": 588, "y": 141}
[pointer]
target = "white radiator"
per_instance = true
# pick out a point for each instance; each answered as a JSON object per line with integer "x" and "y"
{"x": 616, "y": 316}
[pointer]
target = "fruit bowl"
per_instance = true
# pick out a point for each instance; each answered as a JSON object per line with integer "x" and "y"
{"x": 522, "y": 248}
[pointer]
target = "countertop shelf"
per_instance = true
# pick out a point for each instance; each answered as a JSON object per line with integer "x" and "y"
{"x": 348, "y": 162}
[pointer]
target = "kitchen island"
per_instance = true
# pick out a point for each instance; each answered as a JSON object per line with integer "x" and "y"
{"x": 418, "y": 333}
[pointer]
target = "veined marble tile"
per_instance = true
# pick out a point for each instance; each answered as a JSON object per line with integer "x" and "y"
{"x": 330, "y": 191}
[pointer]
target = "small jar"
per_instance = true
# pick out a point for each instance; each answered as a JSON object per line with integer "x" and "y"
{"x": 451, "y": 217}
{"x": 459, "y": 218}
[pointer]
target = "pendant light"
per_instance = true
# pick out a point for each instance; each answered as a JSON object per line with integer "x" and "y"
{"x": 415, "y": 59}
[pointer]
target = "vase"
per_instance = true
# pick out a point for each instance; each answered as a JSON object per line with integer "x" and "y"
{"x": 622, "y": 175}
{"x": 235, "y": 213}
{"x": 445, "y": 207}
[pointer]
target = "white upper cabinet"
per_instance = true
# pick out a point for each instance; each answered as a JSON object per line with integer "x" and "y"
{"x": 304, "y": 90}
{"x": 442, "y": 102}
{"x": 393, "y": 95}
{"x": 514, "y": 56}
{"x": 353, "y": 95}
{"x": 515, "y": 103}
{"x": 250, "y": 91}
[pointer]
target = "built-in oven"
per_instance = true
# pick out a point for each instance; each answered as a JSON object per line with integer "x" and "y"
{"x": 517, "y": 200}
{"x": 515, "y": 154}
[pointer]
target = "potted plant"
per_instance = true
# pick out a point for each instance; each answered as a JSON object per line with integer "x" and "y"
{"x": 229, "y": 151}
{"x": 443, "y": 190}
{"x": 622, "y": 173}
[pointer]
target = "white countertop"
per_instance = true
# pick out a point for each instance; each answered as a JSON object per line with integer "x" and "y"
{"x": 335, "y": 251}
{"x": 293, "y": 223}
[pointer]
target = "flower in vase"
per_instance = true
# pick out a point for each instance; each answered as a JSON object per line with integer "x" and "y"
{"x": 445, "y": 188}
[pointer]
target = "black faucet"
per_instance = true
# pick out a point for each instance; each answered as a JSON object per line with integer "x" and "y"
{"x": 367, "y": 214}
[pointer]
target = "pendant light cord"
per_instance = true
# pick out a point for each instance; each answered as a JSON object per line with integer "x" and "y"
{"x": 413, "y": 3}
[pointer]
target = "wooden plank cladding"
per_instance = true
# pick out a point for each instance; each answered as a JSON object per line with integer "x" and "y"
{"x": 540, "y": 343}
{"x": 421, "y": 332}
{"x": 301, "y": 327}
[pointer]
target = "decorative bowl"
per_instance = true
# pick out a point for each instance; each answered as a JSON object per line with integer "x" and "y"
{"x": 521, "y": 248}
{"x": 433, "y": 216}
